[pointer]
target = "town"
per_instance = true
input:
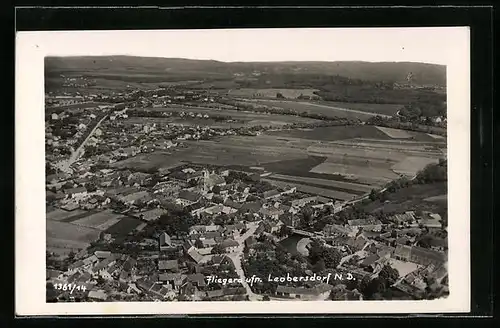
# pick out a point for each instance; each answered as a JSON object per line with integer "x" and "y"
{"x": 120, "y": 228}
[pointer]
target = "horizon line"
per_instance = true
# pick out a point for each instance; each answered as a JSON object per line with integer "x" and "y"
{"x": 246, "y": 61}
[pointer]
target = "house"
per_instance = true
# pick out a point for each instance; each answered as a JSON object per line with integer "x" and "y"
{"x": 77, "y": 192}
{"x": 196, "y": 209}
{"x": 175, "y": 280}
{"x": 124, "y": 276}
{"x": 187, "y": 198}
{"x": 303, "y": 201}
{"x": 98, "y": 295}
{"x": 406, "y": 217}
{"x": 134, "y": 197}
{"x": 74, "y": 267}
{"x": 206, "y": 243}
{"x": 271, "y": 213}
{"x": 250, "y": 241}
{"x": 197, "y": 279}
{"x": 402, "y": 253}
{"x": 171, "y": 265}
{"x": 232, "y": 204}
{"x": 230, "y": 245}
{"x": 165, "y": 242}
{"x": 104, "y": 264}
{"x": 213, "y": 180}
{"x": 251, "y": 207}
{"x": 102, "y": 254}
{"x": 366, "y": 224}
{"x": 424, "y": 256}
{"x": 370, "y": 261}
{"x": 271, "y": 194}
{"x": 193, "y": 253}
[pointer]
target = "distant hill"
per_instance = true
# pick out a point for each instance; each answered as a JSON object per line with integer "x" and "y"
{"x": 178, "y": 68}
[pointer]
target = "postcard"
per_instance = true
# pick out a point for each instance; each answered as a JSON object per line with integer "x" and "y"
{"x": 242, "y": 171}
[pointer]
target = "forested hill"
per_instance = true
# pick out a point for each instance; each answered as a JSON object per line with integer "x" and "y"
{"x": 421, "y": 73}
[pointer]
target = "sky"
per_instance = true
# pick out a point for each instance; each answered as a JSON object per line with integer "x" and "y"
{"x": 428, "y": 45}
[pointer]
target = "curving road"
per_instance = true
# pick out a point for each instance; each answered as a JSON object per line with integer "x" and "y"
{"x": 236, "y": 258}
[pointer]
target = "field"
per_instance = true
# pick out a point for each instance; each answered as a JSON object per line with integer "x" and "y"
{"x": 383, "y": 109}
{"x": 73, "y": 230}
{"x": 439, "y": 198}
{"x": 239, "y": 115}
{"x": 337, "y": 169}
{"x": 349, "y": 187}
{"x": 124, "y": 226}
{"x": 63, "y": 237}
{"x": 328, "y": 193}
{"x": 412, "y": 198}
{"x": 411, "y": 165}
{"x": 271, "y": 93}
{"x": 100, "y": 220}
{"x": 62, "y": 215}
{"x": 333, "y": 133}
{"x": 318, "y": 108}
{"x": 395, "y": 133}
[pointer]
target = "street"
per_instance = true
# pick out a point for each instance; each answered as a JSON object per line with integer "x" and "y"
{"x": 236, "y": 258}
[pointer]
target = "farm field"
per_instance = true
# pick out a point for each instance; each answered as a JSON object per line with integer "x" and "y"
{"x": 384, "y": 109}
{"x": 439, "y": 198}
{"x": 62, "y": 233}
{"x": 435, "y": 136}
{"x": 355, "y": 146}
{"x": 60, "y": 214}
{"x": 238, "y": 114}
{"x": 124, "y": 226}
{"x": 271, "y": 93}
{"x": 411, "y": 165}
{"x": 411, "y": 199}
{"x": 394, "y": 133}
{"x": 333, "y": 133}
{"x": 100, "y": 220}
{"x": 359, "y": 188}
{"x": 328, "y": 193}
{"x": 369, "y": 162}
{"x": 327, "y": 110}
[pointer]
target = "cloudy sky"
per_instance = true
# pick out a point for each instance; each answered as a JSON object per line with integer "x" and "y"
{"x": 430, "y": 45}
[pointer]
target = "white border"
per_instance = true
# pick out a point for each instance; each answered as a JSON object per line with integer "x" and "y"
{"x": 31, "y": 47}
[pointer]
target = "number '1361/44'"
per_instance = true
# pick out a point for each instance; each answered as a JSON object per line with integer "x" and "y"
{"x": 70, "y": 287}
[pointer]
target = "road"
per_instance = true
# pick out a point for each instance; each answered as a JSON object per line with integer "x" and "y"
{"x": 75, "y": 155}
{"x": 236, "y": 258}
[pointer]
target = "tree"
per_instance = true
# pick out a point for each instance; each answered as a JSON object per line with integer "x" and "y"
{"x": 331, "y": 257}
{"x": 91, "y": 187}
{"x": 279, "y": 95}
{"x": 319, "y": 266}
{"x": 218, "y": 249}
{"x": 216, "y": 190}
{"x": 389, "y": 275}
{"x": 306, "y": 217}
{"x": 266, "y": 298}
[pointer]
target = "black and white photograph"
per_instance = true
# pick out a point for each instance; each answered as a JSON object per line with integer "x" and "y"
{"x": 200, "y": 166}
